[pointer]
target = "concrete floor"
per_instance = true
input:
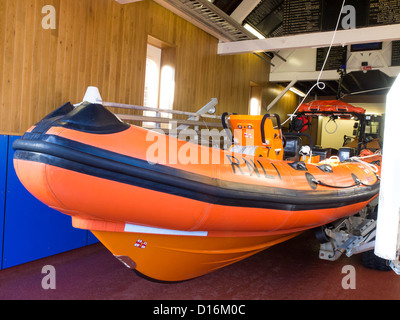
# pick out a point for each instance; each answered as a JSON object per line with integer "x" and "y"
{"x": 289, "y": 271}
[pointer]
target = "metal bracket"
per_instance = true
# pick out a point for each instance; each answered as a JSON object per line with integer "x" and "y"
{"x": 208, "y": 108}
{"x": 395, "y": 265}
{"x": 351, "y": 236}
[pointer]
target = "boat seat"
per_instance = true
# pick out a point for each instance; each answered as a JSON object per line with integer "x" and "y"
{"x": 323, "y": 153}
{"x": 292, "y": 148}
{"x": 346, "y": 153}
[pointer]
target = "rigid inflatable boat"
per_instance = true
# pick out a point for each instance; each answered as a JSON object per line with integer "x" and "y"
{"x": 165, "y": 207}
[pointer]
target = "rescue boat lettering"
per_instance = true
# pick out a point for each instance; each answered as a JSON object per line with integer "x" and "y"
{"x": 252, "y": 167}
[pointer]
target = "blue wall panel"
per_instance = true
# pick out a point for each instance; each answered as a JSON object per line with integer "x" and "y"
{"x": 3, "y": 178}
{"x": 32, "y": 230}
{"x": 91, "y": 238}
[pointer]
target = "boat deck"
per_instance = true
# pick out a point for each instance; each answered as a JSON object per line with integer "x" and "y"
{"x": 288, "y": 271}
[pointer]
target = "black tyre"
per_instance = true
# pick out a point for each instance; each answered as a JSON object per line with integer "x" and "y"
{"x": 369, "y": 259}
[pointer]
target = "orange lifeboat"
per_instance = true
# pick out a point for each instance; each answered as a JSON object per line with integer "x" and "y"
{"x": 174, "y": 210}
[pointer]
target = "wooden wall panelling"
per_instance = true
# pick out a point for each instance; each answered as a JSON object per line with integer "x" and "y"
{"x": 8, "y": 65}
{"x": 53, "y": 35}
{"x": 116, "y": 54}
{"x": 46, "y": 64}
{"x": 62, "y": 17}
{"x": 87, "y": 44}
{"x": 40, "y": 62}
{"x": 126, "y": 49}
{"x": 136, "y": 15}
{"x": 69, "y": 21}
{"x": 14, "y": 114}
{"x": 102, "y": 43}
{"x": 98, "y": 26}
{"x": 3, "y": 24}
{"x": 80, "y": 59}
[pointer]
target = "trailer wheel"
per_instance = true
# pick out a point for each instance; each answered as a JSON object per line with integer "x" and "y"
{"x": 321, "y": 235}
{"x": 369, "y": 259}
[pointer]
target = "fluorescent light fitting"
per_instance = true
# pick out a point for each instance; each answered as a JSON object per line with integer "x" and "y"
{"x": 253, "y": 31}
{"x": 298, "y": 92}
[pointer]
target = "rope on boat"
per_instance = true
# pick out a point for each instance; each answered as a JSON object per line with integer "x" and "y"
{"x": 357, "y": 183}
{"x": 373, "y": 167}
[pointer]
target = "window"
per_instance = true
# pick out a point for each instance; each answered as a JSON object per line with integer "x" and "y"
{"x": 255, "y": 99}
{"x": 159, "y": 84}
{"x": 255, "y": 107}
{"x": 152, "y": 83}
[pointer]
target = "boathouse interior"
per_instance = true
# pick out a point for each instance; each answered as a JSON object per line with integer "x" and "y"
{"x": 194, "y": 60}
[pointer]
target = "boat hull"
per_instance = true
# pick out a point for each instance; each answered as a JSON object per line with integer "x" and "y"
{"x": 209, "y": 238}
{"x": 174, "y": 220}
{"x": 183, "y": 252}
{"x": 177, "y": 258}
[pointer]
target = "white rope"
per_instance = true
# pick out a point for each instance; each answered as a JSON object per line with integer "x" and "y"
{"x": 373, "y": 167}
{"x": 369, "y": 156}
{"x": 319, "y": 84}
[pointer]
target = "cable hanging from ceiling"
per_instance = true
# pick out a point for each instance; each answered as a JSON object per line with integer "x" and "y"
{"x": 319, "y": 84}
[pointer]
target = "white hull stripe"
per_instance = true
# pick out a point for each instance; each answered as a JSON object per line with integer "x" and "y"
{"x": 148, "y": 230}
